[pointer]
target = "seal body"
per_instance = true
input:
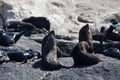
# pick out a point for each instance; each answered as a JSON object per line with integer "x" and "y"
{"x": 100, "y": 36}
{"x": 110, "y": 35}
{"x": 105, "y": 35}
{"x": 8, "y": 38}
{"x": 112, "y": 52}
{"x": 49, "y": 52}
{"x": 39, "y": 22}
{"x": 17, "y": 56}
{"x": 82, "y": 56}
{"x": 81, "y": 52}
{"x": 18, "y": 26}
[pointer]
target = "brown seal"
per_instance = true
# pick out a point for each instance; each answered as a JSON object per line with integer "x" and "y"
{"x": 85, "y": 34}
{"x": 110, "y": 35}
{"x": 38, "y": 22}
{"x": 81, "y": 52}
{"x": 81, "y": 55}
{"x": 100, "y": 36}
{"x": 105, "y": 35}
{"x": 49, "y": 52}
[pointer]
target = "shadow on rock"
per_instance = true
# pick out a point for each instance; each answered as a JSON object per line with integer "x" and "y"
{"x": 38, "y": 64}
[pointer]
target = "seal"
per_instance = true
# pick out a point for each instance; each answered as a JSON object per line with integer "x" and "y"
{"x": 49, "y": 52}
{"x": 17, "y": 26}
{"x": 85, "y": 34}
{"x": 32, "y": 24}
{"x": 100, "y": 36}
{"x": 16, "y": 55}
{"x": 22, "y": 56}
{"x": 39, "y": 22}
{"x": 81, "y": 52}
{"x": 110, "y": 29}
{"x": 112, "y": 52}
{"x": 12, "y": 24}
{"x": 8, "y": 38}
{"x": 106, "y": 35}
{"x": 110, "y": 35}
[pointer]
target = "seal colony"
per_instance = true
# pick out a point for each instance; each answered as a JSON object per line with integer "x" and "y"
{"x": 82, "y": 53}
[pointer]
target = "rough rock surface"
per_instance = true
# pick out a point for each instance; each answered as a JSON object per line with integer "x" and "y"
{"x": 66, "y": 17}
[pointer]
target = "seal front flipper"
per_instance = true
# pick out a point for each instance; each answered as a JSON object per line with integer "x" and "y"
{"x": 60, "y": 53}
{"x": 18, "y": 36}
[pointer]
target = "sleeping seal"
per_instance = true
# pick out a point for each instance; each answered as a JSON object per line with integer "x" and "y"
{"x": 112, "y": 52}
{"x": 16, "y": 55}
{"x": 38, "y": 22}
{"x": 8, "y": 38}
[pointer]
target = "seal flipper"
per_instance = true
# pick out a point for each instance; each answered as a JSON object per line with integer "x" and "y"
{"x": 17, "y": 56}
{"x": 17, "y": 36}
{"x": 59, "y": 52}
{"x": 25, "y": 61}
{"x": 2, "y": 61}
